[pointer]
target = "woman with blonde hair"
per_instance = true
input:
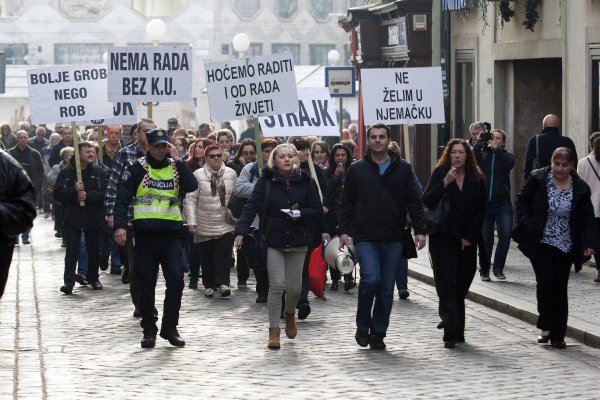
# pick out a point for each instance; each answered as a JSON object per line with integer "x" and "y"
{"x": 291, "y": 206}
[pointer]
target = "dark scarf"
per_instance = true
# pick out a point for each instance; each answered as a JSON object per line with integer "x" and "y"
{"x": 217, "y": 183}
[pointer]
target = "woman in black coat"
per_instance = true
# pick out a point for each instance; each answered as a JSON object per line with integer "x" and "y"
{"x": 556, "y": 227}
{"x": 458, "y": 180}
{"x": 340, "y": 159}
{"x": 292, "y": 206}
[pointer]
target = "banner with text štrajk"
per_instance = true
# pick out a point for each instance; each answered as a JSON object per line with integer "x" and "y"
{"x": 315, "y": 116}
{"x": 124, "y": 113}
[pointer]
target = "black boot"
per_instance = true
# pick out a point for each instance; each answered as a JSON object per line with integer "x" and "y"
{"x": 171, "y": 334}
{"x": 149, "y": 340}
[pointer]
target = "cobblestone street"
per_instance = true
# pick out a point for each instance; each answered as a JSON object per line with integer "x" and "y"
{"x": 87, "y": 345}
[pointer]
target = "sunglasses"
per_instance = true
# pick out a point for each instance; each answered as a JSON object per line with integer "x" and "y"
{"x": 215, "y": 156}
{"x": 248, "y": 154}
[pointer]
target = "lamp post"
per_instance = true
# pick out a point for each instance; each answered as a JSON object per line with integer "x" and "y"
{"x": 333, "y": 56}
{"x": 241, "y": 43}
{"x": 156, "y": 31}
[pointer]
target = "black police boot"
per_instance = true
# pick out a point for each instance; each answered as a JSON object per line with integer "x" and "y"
{"x": 171, "y": 334}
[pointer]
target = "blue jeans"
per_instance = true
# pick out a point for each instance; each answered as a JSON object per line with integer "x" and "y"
{"x": 501, "y": 215}
{"x": 82, "y": 261}
{"x": 379, "y": 263}
{"x": 402, "y": 275}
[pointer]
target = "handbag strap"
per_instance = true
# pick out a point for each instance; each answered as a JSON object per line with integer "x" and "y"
{"x": 593, "y": 169}
{"x": 263, "y": 213}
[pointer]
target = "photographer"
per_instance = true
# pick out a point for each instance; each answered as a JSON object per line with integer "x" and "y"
{"x": 496, "y": 164}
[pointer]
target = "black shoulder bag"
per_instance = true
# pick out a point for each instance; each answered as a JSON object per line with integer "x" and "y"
{"x": 254, "y": 249}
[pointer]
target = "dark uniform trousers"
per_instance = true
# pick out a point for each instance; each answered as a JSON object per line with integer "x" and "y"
{"x": 151, "y": 249}
{"x": 134, "y": 283}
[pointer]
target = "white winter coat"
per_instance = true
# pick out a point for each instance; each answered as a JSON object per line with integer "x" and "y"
{"x": 204, "y": 210}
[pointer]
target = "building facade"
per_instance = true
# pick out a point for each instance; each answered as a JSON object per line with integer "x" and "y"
{"x": 50, "y": 32}
{"x": 512, "y": 76}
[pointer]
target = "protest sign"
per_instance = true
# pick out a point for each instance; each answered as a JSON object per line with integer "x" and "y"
{"x": 124, "y": 113}
{"x": 251, "y": 87}
{"x": 68, "y": 93}
{"x": 315, "y": 116}
{"x": 402, "y": 95}
{"x": 150, "y": 73}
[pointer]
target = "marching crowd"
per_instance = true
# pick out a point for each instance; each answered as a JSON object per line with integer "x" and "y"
{"x": 198, "y": 203}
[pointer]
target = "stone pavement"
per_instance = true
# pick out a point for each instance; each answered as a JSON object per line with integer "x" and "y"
{"x": 86, "y": 345}
{"x": 516, "y": 296}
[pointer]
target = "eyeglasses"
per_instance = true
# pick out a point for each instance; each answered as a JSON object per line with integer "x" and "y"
{"x": 215, "y": 156}
{"x": 246, "y": 154}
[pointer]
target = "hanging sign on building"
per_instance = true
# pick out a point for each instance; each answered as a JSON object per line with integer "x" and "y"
{"x": 397, "y": 96}
{"x": 251, "y": 87}
{"x": 124, "y": 113}
{"x": 68, "y": 93}
{"x": 153, "y": 73}
{"x": 315, "y": 116}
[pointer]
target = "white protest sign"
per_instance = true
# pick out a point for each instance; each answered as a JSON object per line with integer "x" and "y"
{"x": 315, "y": 116}
{"x": 124, "y": 113}
{"x": 68, "y": 93}
{"x": 251, "y": 87}
{"x": 402, "y": 95}
{"x": 150, "y": 74}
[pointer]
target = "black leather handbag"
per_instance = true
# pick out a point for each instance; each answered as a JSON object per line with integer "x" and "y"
{"x": 254, "y": 248}
{"x": 436, "y": 218}
{"x": 409, "y": 250}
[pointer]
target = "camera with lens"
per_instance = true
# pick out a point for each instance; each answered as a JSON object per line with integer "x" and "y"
{"x": 486, "y": 135}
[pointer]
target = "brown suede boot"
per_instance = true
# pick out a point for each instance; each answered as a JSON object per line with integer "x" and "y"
{"x": 274, "y": 338}
{"x": 290, "y": 325}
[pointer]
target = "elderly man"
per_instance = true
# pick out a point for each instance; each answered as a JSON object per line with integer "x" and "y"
{"x": 39, "y": 141}
{"x": 31, "y": 161}
{"x": 112, "y": 145}
{"x": 541, "y": 146}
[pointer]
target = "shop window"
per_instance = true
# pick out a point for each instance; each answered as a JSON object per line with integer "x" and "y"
{"x": 595, "y": 87}
{"x": 89, "y": 9}
{"x": 246, "y": 9}
{"x": 255, "y": 50}
{"x": 293, "y": 49}
{"x": 320, "y": 9}
{"x": 10, "y": 8}
{"x": 318, "y": 53}
{"x": 14, "y": 53}
{"x": 464, "y": 100}
{"x": 80, "y": 53}
{"x": 159, "y": 8}
{"x": 286, "y": 9}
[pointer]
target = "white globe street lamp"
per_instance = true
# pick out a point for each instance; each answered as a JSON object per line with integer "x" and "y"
{"x": 156, "y": 30}
{"x": 241, "y": 43}
{"x": 333, "y": 56}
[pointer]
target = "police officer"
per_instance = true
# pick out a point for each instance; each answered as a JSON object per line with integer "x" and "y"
{"x": 154, "y": 184}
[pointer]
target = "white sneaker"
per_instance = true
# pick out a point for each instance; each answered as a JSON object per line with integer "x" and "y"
{"x": 224, "y": 291}
{"x": 208, "y": 292}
